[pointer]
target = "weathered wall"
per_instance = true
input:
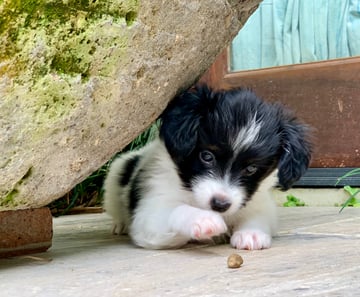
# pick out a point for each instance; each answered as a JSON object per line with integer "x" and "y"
{"x": 80, "y": 79}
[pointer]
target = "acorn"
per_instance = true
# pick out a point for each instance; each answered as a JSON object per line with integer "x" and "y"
{"x": 234, "y": 261}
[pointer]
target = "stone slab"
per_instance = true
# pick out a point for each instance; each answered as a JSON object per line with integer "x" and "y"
{"x": 316, "y": 253}
{"x": 25, "y": 231}
{"x": 80, "y": 79}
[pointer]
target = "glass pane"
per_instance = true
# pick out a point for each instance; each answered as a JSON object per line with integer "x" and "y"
{"x": 283, "y": 32}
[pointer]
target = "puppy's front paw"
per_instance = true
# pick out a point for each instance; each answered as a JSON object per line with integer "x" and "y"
{"x": 252, "y": 239}
{"x": 207, "y": 225}
{"x": 119, "y": 228}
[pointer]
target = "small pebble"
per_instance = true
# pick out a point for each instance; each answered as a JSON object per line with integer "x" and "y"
{"x": 234, "y": 261}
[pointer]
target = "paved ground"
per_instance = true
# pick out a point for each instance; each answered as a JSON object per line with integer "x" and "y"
{"x": 317, "y": 253}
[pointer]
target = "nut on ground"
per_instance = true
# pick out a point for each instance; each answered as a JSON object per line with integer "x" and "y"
{"x": 234, "y": 261}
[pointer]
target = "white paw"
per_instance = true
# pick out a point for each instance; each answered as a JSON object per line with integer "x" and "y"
{"x": 251, "y": 239}
{"x": 119, "y": 228}
{"x": 207, "y": 225}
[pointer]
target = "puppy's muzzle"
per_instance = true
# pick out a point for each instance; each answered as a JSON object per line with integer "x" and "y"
{"x": 219, "y": 204}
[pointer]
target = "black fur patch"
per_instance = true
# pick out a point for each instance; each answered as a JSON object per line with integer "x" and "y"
{"x": 128, "y": 171}
{"x": 135, "y": 191}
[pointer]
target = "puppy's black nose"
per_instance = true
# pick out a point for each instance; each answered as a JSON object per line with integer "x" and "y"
{"x": 219, "y": 204}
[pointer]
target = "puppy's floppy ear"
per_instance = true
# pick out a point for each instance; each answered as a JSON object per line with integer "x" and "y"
{"x": 295, "y": 151}
{"x": 180, "y": 122}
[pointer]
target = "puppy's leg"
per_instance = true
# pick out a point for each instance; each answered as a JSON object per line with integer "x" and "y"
{"x": 174, "y": 227}
{"x": 116, "y": 188}
{"x": 257, "y": 223}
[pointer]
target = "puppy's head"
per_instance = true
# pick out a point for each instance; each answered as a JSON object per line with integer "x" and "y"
{"x": 226, "y": 143}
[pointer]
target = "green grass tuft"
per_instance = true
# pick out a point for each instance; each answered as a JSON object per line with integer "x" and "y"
{"x": 352, "y": 200}
{"x": 293, "y": 201}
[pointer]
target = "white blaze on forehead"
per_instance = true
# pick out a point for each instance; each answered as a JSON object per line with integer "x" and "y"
{"x": 247, "y": 135}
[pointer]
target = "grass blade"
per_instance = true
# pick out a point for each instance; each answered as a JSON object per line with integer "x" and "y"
{"x": 353, "y": 172}
{"x": 352, "y": 196}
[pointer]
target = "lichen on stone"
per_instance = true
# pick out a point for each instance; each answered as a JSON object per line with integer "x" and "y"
{"x": 49, "y": 52}
{"x": 45, "y": 46}
{"x": 54, "y": 35}
{"x": 8, "y": 200}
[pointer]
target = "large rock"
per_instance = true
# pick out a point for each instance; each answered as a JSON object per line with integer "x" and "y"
{"x": 80, "y": 79}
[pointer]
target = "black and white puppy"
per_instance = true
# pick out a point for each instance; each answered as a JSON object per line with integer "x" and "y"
{"x": 209, "y": 172}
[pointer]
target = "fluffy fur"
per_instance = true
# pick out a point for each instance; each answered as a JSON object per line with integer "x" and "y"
{"x": 209, "y": 172}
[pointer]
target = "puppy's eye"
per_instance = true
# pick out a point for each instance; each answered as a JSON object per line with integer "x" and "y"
{"x": 250, "y": 170}
{"x": 207, "y": 157}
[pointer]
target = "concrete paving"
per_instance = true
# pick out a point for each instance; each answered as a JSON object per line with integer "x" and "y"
{"x": 316, "y": 253}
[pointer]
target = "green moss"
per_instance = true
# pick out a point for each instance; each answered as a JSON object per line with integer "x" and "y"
{"x": 70, "y": 62}
{"x": 34, "y": 12}
{"x": 51, "y": 48}
{"x": 52, "y": 98}
{"x": 62, "y": 23}
{"x": 130, "y": 17}
{"x": 9, "y": 199}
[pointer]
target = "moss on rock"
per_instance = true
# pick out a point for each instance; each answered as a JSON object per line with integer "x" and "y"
{"x": 48, "y": 52}
{"x": 45, "y": 46}
{"x": 56, "y": 33}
